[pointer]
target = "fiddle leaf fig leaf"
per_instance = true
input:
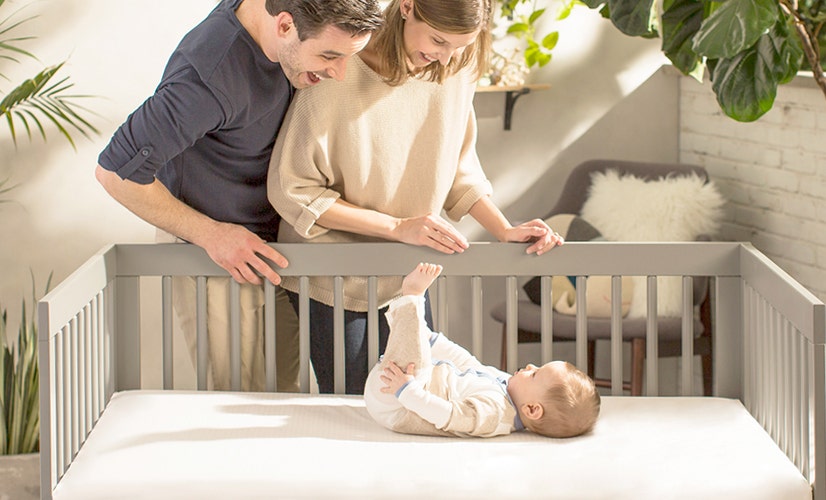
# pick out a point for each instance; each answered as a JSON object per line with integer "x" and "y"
{"x": 634, "y": 17}
{"x": 680, "y": 21}
{"x": 734, "y": 27}
{"x": 746, "y": 84}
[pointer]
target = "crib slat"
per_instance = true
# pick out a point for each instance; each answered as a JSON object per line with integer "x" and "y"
{"x": 304, "y": 333}
{"x": 67, "y": 400}
{"x": 477, "y": 311}
{"x": 50, "y": 443}
{"x": 201, "y": 342}
{"x": 88, "y": 392}
{"x": 687, "y": 365}
{"x": 338, "y": 335}
{"x": 511, "y": 299}
{"x": 372, "y": 321}
{"x": 166, "y": 332}
{"x": 269, "y": 337}
{"x": 547, "y": 324}
{"x": 75, "y": 383}
{"x": 95, "y": 358}
{"x": 616, "y": 336}
{"x": 581, "y": 324}
{"x": 652, "y": 344}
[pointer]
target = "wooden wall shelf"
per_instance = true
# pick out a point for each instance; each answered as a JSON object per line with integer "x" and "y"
{"x": 512, "y": 93}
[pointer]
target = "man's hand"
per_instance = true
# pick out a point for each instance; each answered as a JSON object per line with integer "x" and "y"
{"x": 239, "y": 251}
{"x": 394, "y": 378}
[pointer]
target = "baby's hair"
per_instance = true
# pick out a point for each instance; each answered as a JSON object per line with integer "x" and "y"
{"x": 570, "y": 408}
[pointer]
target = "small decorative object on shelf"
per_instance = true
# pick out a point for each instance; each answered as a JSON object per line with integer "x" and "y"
{"x": 512, "y": 93}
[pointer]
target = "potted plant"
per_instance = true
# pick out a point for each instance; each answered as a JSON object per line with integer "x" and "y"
{"x": 747, "y": 47}
{"x": 30, "y": 108}
{"x": 518, "y": 43}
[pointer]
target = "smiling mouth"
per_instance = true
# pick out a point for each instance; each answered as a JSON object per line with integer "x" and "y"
{"x": 428, "y": 58}
{"x": 314, "y": 77}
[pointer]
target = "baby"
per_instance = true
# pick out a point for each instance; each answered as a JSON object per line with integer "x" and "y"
{"x": 443, "y": 390}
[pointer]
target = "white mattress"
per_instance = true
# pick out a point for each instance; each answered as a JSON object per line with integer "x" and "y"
{"x": 153, "y": 444}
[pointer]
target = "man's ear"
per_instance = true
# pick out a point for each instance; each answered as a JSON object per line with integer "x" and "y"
{"x": 284, "y": 23}
{"x": 533, "y": 411}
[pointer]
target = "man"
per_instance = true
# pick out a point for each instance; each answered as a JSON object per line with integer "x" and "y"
{"x": 192, "y": 160}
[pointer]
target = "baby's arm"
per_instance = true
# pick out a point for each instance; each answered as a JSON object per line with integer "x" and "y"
{"x": 480, "y": 414}
{"x": 444, "y": 349}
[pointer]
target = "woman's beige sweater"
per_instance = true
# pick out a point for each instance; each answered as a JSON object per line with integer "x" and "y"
{"x": 405, "y": 151}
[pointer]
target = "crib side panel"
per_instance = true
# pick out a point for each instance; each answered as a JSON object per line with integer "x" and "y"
{"x": 784, "y": 359}
{"x": 74, "y": 342}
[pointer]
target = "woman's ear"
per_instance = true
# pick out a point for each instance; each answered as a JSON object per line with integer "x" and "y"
{"x": 406, "y": 7}
{"x": 533, "y": 411}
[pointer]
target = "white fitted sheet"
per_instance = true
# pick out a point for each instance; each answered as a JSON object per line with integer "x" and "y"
{"x": 175, "y": 444}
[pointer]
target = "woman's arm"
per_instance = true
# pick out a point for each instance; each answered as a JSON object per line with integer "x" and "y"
{"x": 536, "y": 231}
{"x": 427, "y": 230}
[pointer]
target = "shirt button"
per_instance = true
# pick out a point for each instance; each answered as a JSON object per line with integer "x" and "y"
{"x": 144, "y": 152}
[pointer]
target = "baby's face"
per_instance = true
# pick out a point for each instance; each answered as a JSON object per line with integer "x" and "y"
{"x": 529, "y": 384}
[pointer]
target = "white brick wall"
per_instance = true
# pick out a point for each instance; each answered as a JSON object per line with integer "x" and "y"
{"x": 772, "y": 172}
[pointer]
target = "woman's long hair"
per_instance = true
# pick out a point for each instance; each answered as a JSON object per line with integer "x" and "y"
{"x": 448, "y": 16}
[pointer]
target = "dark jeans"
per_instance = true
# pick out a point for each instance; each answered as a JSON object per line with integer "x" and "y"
{"x": 355, "y": 343}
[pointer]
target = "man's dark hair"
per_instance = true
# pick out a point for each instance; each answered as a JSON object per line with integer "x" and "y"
{"x": 312, "y": 16}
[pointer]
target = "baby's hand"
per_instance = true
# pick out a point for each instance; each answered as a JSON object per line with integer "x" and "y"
{"x": 394, "y": 378}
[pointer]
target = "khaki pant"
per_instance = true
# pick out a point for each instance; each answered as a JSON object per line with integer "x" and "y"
{"x": 253, "y": 376}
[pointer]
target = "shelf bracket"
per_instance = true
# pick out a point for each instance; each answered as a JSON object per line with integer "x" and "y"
{"x": 510, "y": 100}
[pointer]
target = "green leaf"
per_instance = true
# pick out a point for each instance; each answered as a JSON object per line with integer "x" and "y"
{"x": 518, "y": 28}
{"x": 565, "y": 10}
{"x": 535, "y": 15}
{"x": 680, "y": 21}
{"x": 746, "y": 85}
{"x": 550, "y": 40}
{"x": 734, "y": 27}
{"x": 634, "y": 17}
{"x": 543, "y": 58}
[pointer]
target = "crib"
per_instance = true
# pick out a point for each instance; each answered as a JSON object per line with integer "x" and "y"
{"x": 760, "y": 436}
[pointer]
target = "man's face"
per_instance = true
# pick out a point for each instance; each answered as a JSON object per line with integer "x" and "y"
{"x": 307, "y": 62}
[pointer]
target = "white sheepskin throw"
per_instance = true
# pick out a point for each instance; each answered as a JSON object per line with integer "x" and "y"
{"x": 677, "y": 208}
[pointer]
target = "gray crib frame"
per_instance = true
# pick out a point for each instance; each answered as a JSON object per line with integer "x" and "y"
{"x": 769, "y": 331}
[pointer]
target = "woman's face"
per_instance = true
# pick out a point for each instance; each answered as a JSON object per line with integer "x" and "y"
{"x": 424, "y": 45}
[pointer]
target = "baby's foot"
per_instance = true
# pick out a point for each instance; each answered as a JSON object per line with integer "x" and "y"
{"x": 420, "y": 278}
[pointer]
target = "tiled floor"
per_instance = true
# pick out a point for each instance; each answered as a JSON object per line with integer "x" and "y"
{"x": 20, "y": 477}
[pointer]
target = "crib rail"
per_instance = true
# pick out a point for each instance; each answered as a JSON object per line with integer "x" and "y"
{"x": 90, "y": 328}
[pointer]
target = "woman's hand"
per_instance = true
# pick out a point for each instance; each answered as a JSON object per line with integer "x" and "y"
{"x": 430, "y": 231}
{"x": 394, "y": 378}
{"x": 536, "y": 231}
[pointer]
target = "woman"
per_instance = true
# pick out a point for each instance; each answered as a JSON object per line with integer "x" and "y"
{"x": 380, "y": 155}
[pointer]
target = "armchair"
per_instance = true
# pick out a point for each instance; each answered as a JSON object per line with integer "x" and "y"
{"x": 574, "y": 195}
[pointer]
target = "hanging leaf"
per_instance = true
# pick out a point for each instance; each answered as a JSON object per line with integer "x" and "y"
{"x": 634, "y": 17}
{"x": 680, "y": 21}
{"x": 735, "y": 27}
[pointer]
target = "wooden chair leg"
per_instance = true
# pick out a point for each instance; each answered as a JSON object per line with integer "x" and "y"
{"x": 637, "y": 363}
{"x": 592, "y": 356}
{"x": 503, "y": 360}
{"x": 708, "y": 388}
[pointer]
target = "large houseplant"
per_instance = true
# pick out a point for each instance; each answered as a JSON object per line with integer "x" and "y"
{"x": 19, "y": 403}
{"x": 32, "y": 106}
{"x": 42, "y": 99}
{"x": 748, "y": 47}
